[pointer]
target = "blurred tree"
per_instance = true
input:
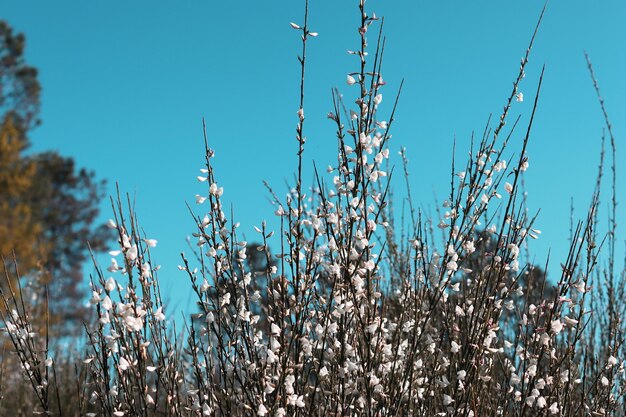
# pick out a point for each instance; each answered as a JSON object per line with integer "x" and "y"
{"x": 18, "y": 227}
{"x": 48, "y": 207}
{"x": 66, "y": 201}
{"x": 19, "y": 87}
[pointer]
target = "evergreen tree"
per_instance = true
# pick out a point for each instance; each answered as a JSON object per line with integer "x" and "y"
{"x": 48, "y": 207}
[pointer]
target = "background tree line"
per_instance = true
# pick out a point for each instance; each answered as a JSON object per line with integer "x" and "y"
{"x": 48, "y": 205}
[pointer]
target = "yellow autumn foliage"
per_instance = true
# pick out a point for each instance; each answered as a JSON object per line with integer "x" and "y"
{"x": 19, "y": 230}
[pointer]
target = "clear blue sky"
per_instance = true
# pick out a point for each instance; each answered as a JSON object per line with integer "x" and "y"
{"x": 126, "y": 84}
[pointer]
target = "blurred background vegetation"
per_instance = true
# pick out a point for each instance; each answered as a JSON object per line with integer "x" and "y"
{"x": 48, "y": 205}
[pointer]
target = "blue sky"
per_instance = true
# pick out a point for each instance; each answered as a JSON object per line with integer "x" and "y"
{"x": 126, "y": 84}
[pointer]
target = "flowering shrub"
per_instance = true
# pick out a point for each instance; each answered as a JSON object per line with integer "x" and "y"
{"x": 357, "y": 312}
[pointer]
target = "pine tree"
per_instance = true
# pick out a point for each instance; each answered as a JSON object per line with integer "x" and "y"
{"x": 19, "y": 228}
{"x": 48, "y": 207}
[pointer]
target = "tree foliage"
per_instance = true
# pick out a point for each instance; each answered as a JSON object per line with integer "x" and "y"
{"x": 19, "y": 87}
{"x": 18, "y": 227}
{"x": 48, "y": 206}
